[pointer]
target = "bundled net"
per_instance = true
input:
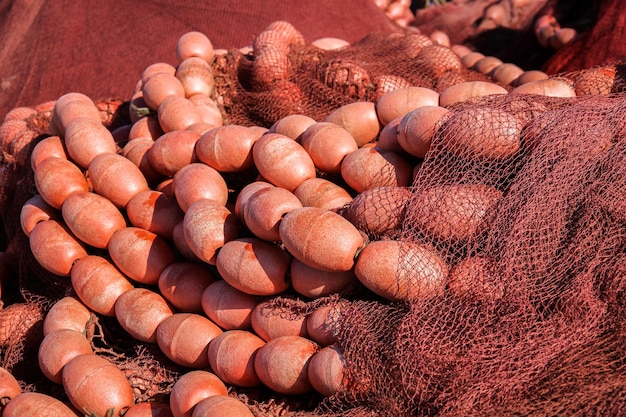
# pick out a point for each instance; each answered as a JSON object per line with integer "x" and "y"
{"x": 597, "y": 45}
{"x": 293, "y": 78}
{"x": 534, "y": 235}
{"x": 520, "y": 196}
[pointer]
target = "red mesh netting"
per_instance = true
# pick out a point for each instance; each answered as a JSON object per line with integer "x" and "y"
{"x": 532, "y": 323}
{"x": 315, "y": 82}
{"x": 504, "y": 29}
{"x": 601, "y": 43}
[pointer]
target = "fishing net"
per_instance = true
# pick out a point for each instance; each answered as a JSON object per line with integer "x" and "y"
{"x": 532, "y": 321}
{"x": 315, "y": 82}
{"x": 521, "y": 195}
{"x": 600, "y": 42}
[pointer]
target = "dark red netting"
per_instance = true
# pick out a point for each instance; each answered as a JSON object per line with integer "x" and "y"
{"x": 536, "y": 330}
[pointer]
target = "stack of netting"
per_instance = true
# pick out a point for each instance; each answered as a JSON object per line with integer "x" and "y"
{"x": 308, "y": 80}
{"x": 532, "y": 320}
{"x": 520, "y": 197}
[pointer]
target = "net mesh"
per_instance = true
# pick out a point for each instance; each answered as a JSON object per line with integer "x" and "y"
{"x": 521, "y": 195}
{"x": 536, "y": 329}
{"x": 315, "y": 82}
